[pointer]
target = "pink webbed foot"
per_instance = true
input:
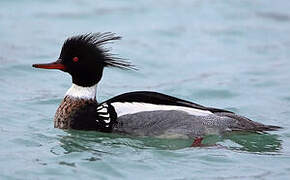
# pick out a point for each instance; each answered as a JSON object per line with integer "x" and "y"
{"x": 197, "y": 142}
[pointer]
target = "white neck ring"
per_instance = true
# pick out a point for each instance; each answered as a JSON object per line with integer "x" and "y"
{"x": 82, "y": 92}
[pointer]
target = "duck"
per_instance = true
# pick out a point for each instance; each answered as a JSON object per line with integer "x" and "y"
{"x": 138, "y": 113}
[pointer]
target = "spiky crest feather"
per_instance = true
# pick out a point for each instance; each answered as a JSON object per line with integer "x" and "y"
{"x": 96, "y": 41}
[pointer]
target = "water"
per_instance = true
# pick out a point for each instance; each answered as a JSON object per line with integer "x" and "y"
{"x": 227, "y": 54}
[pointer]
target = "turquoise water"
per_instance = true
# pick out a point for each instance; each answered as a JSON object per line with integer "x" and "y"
{"x": 227, "y": 54}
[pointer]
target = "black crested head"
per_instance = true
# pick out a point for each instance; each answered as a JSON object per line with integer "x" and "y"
{"x": 84, "y": 57}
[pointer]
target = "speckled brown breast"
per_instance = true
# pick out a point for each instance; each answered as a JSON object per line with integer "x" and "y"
{"x": 73, "y": 111}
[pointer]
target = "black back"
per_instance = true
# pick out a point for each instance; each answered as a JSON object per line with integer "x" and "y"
{"x": 161, "y": 99}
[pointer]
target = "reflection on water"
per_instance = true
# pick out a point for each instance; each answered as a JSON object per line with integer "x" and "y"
{"x": 79, "y": 141}
{"x": 256, "y": 142}
{"x": 99, "y": 144}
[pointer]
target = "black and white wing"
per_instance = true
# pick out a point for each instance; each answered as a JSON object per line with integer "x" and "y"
{"x": 151, "y": 113}
{"x": 152, "y": 101}
{"x": 105, "y": 117}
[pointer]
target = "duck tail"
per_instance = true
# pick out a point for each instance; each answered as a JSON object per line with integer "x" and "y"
{"x": 270, "y": 128}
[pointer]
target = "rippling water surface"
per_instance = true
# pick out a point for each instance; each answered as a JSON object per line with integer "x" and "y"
{"x": 227, "y": 54}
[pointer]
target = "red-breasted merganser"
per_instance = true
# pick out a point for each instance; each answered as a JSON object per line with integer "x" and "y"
{"x": 140, "y": 113}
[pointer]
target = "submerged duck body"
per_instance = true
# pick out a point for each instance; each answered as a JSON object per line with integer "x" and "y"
{"x": 140, "y": 113}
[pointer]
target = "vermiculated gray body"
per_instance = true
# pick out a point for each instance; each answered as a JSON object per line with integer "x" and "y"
{"x": 181, "y": 124}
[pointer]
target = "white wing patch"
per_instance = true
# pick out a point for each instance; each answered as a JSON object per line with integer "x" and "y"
{"x": 104, "y": 114}
{"x": 135, "y": 107}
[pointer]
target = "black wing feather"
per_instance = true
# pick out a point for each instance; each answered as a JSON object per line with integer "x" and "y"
{"x": 158, "y": 98}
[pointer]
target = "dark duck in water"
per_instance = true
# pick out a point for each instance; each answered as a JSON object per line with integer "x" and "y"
{"x": 140, "y": 113}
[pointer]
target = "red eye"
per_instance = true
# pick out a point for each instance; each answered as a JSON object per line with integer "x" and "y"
{"x": 75, "y": 59}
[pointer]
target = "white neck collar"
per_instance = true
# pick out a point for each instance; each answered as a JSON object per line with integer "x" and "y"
{"x": 82, "y": 92}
